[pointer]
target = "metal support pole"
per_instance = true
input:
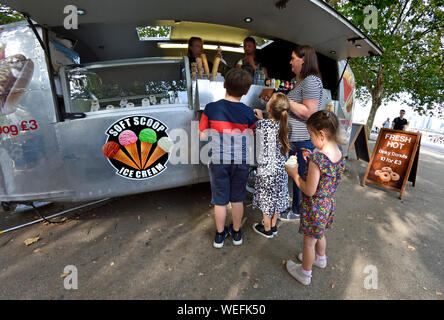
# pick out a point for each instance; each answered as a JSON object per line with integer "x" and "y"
{"x": 54, "y": 215}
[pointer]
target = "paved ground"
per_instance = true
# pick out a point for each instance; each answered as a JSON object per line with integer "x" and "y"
{"x": 159, "y": 246}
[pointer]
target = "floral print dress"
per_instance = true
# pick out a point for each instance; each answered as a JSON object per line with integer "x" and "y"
{"x": 317, "y": 212}
{"x": 271, "y": 185}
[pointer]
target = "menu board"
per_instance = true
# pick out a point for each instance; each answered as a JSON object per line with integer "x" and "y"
{"x": 393, "y": 157}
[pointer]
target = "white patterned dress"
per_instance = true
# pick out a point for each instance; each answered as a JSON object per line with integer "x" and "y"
{"x": 271, "y": 186}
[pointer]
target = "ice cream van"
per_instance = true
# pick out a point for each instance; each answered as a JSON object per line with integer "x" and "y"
{"x": 96, "y": 97}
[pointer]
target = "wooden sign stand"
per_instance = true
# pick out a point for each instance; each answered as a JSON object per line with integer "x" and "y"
{"x": 360, "y": 141}
{"x": 384, "y": 151}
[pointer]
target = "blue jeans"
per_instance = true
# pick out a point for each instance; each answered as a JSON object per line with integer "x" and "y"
{"x": 296, "y": 149}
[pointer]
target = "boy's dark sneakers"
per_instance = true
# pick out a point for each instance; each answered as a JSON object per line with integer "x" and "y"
{"x": 236, "y": 235}
{"x": 220, "y": 238}
{"x": 259, "y": 228}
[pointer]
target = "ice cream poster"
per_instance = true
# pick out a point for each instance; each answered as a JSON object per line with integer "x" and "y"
{"x": 137, "y": 147}
{"x": 349, "y": 90}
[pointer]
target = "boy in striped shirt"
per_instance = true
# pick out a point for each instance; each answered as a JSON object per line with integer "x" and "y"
{"x": 230, "y": 123}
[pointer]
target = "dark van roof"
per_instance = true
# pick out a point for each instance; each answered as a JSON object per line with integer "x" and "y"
{"x": 308, "y": 22}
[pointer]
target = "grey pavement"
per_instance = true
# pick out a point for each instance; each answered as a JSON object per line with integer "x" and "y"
{"x": 158, "y": 245}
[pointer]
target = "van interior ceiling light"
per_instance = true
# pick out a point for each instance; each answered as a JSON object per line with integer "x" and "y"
{"x": 81, "y": 12}
{"x": 358, "y": 46}
{"x": 333, "y": 52}
{"x": 248, "y": 19}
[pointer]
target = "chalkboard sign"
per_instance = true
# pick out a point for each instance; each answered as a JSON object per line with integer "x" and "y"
{"x": 359, "y": 140}
{"x": 394, "y": 160}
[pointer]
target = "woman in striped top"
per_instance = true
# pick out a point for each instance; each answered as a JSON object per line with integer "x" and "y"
{"x": 305, "y": 99}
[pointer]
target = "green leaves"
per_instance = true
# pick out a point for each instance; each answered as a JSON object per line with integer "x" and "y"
{"x": 411, "y": 33}
{"x": 7, "y": 15}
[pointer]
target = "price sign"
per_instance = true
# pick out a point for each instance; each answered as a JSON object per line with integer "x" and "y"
{"x": 395, "y": 154}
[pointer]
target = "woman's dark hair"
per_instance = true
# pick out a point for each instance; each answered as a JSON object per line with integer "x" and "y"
{"x": 279, "y": 107}
{"x": 190, "y": 43}
{"x": 310, "y": 66}
{"x": 328, "y": 122}
{"x": 237, "y": 82}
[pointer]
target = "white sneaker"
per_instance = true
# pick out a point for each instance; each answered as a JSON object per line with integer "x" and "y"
{"x": 296, "y": 272}
{"x": 320, "y": 263}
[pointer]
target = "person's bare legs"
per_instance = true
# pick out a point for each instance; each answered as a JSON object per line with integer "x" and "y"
{"x": 308, "y": 255}
{"x": 321, "y": 246}
{"x": 220, "y": 214}
{"x": 267, "y": 222}
{"x": 237, "y": 212}
{"x": 274, "y": 220}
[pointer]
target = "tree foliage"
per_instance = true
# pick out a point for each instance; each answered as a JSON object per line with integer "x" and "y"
{"x": 7, "y": 15}
{"x": 411, "y": 34}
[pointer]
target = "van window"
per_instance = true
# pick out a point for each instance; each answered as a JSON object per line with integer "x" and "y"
{"x": 109, "y": 86}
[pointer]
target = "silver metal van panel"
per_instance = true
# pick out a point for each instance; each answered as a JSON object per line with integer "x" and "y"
{"x": 89, "y": 172}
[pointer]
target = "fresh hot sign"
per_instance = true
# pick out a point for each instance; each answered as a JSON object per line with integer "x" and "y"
{"x": 393, "y": 154}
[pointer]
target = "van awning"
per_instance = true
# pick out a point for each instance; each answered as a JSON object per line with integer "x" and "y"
{"x": 307, "y": 22}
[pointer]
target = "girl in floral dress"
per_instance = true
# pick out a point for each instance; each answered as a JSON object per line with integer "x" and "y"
{"x": 322, "y": 177}
{"x": 271, "y": 186}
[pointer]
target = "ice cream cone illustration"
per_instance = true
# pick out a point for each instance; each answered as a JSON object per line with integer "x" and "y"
{"x": 147, "y": 137}
{"x": 128, "y": 139}
{"x": 164, "y": 145}
{"x": 112, "y": 150}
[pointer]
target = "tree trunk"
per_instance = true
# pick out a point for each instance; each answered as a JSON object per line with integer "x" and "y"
{"x": 376, "y": 100}
{"x": 371, "y": 116}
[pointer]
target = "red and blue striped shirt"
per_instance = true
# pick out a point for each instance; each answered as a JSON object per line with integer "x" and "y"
{"x": 234, "y": 122}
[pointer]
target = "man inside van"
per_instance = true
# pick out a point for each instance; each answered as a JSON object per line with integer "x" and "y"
{"x": 400, "y": 123}
{"x": 229, "y": 123}
{"x": 250, "y": 62}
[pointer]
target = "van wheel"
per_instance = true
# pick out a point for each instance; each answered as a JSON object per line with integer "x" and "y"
{"x": 251, "y": 179}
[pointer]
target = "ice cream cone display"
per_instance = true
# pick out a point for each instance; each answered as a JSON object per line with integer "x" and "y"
{"x": 112, "y": 150}
{"x": 147, "y": 137}
{"x": 109, "y": 107}
{"x": 164, "y": 145}
{"x": 128, "y": 139}
{"x": 205, "y": 64}
{"x": 199, "y": 67}
{"x": 216, "y": 64}
{"x": 129, "y": 105}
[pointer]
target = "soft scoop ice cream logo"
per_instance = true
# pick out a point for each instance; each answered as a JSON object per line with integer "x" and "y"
{"x": 138, "y": 147}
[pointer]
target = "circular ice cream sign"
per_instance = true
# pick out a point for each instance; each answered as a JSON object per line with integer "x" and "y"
{"x": 138, "y": 147}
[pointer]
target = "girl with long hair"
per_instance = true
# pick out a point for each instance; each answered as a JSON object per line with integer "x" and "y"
{"x": 271, "y": 185}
